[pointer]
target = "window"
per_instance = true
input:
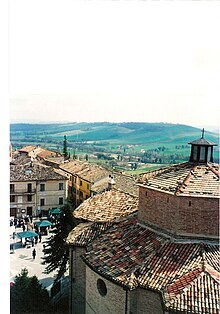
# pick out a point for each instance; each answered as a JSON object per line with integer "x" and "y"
{"x": 60, "y": 200}
{"x": 42, "y": 187}
{"x": 80, "y": 194}
{"x": 195, "y": 152}
{"x": 12, "y": 188}
{"x": 42, "y": 202}
{"x": 61, "y": 186}
{"x": 80, "y": 183}
{"x": 87, "y": 186}
{"x": 190, "y": 203}
{"x": 29, "y": 210}
{"x": 202, "y": 153}
{"x": 29, "y": 198}
{"x": 101, "y": 286}
{"x": 29, "y": 187}
{"x": 12, "y": 198}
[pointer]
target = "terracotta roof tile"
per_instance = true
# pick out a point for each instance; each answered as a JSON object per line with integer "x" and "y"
{"x": 32, "y": 172}
{"x": 107, "y": 206}
{"x": 186, "y": 179}
{"x": 196, "y": 292}
{"x": 85, "y": 170}
{"x": 131, "y": 255}
{"x": 84, "y": 233}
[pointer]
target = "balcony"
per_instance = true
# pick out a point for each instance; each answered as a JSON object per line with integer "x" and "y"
{"x": 23, "y": 192}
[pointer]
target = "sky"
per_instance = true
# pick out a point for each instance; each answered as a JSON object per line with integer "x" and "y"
{"x": 116, "y": 61}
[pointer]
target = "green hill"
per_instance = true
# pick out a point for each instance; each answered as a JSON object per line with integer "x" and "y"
{"x": 161, "y": 143}
{"x": 121, "y": 133}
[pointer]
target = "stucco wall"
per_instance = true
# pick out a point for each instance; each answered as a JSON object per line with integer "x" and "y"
{"x": 77, "y": 281}
{"x": 51, "y": 193}
{"x": 148, "y": 302}
{"x": 179, "y": 214}
{"x": 112, "y": 303}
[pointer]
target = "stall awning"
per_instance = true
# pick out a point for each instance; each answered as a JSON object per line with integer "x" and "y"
{"x": 43, "y": 223}
{"x": 27, "y": 234}
{"x": 55, "y": 211}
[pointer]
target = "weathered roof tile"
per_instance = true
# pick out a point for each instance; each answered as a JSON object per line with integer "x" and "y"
{"x": 107, "y": 206}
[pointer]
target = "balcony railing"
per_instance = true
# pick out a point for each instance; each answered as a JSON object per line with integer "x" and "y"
{"x": 23, "y": 192}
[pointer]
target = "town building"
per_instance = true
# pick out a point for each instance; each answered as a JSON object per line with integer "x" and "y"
{"x": 85, "y": 179}
{"x": 34, "y": 187}
{"x": 161, "y": 259}
{"x": 37, "y": 152}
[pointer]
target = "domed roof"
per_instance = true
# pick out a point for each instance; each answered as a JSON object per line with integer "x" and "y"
{"x": 185, "y": 179}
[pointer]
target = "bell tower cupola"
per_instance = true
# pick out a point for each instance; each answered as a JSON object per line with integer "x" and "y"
{"x": 201, "y": 150}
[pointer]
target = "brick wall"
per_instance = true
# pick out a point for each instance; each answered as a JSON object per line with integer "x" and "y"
{"x": 185, "y": 215}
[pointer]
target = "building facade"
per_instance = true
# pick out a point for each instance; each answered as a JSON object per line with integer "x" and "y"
{"x": 35, "y": 188}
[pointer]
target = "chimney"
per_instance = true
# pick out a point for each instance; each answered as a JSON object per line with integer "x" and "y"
{"x": 111, "y": 182}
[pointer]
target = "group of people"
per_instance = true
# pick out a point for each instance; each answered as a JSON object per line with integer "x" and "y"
{"x": 20, "y": 222}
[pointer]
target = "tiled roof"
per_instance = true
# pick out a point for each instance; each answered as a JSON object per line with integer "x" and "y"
{"x": 32, "y": 172}
{"x": 84, "y": 233}
{"x": 202, "y": 141}
{"x": 186, "y": 179}
{"x": 85, "y": 170}
{"x": 196, "y": 292}
{"x": 93, "y": 173}
{"x": 18, "y": 159}
{"x": 74, "y": 166}
{"x": 132, "y": 255}
{"x": 107, "y": 206}
{"x": 37, "y": 151}
{"x": 125, "y": 183}
{"x": 43, "y": 153}
{"x": 27, "y": 149}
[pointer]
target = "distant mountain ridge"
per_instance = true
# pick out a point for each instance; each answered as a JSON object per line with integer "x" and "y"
{"x": 124, "y": 133}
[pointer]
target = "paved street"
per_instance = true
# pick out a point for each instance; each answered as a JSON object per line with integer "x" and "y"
{"x": 22, "y": 258}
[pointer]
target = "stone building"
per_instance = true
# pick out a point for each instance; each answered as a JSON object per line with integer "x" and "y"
{"x": 163, "y": 258}
{"x": 86, "y": 180}
{"x": 35, "y": 188}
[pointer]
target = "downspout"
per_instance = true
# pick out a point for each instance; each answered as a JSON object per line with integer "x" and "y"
{"x": 71, "y": 281}
{"x": 126, "y": 300}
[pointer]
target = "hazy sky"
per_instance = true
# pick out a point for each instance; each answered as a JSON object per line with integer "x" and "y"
{"x": 149, "y": 61}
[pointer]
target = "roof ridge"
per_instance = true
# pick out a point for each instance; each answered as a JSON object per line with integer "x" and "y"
{"x": 210, "y": 270}
{"x": 213, "y": 170}
{"x": 191, "y": 173}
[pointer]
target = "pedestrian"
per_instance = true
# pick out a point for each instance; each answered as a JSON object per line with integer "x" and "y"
{"x": 34, "y": 253}
{"x": 32, "y": 242}
{"x": 39, "y": 237}
{"x": 23, "y": 227}
{"x": 36, "y": 239}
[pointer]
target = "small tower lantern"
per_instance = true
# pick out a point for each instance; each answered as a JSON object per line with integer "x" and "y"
{"x": 201, "y": 150}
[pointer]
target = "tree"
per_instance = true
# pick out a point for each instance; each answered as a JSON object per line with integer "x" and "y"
{"x": 65, "y": 153}
{"x": 56, "y": 251}
{"x": 28, "y": 296}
